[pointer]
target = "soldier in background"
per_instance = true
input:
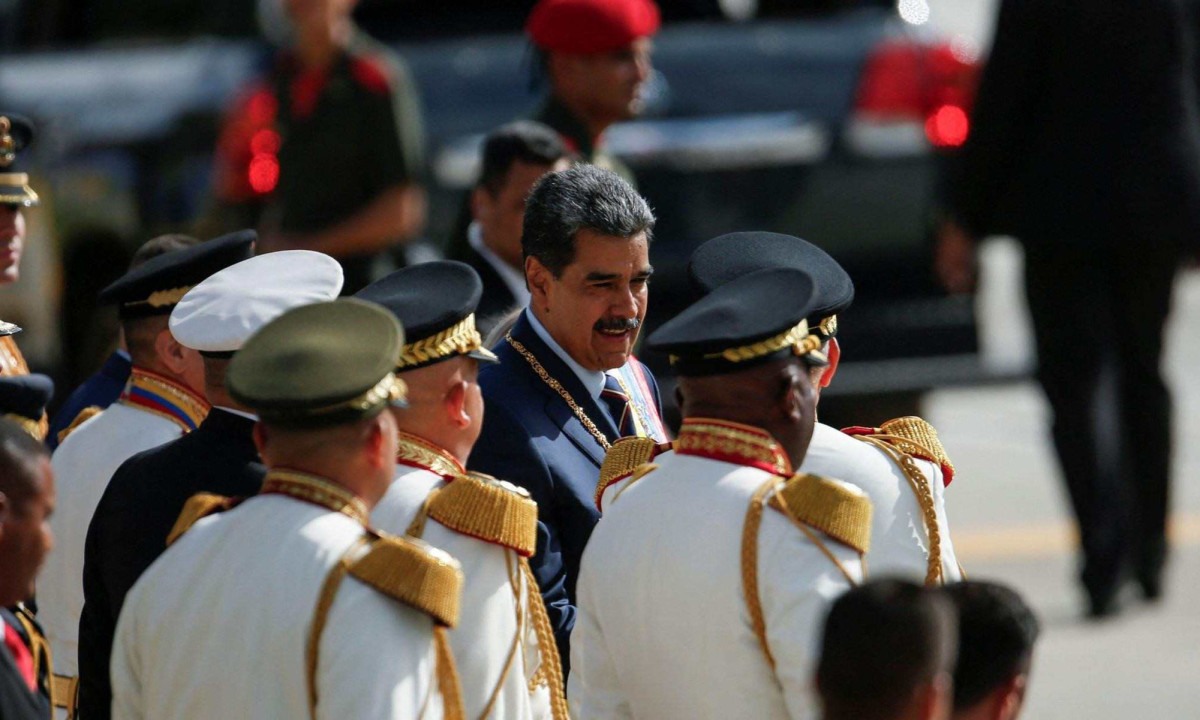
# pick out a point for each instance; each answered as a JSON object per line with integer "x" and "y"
{"x": 595, "y": 55}
{"x": 332, "y": 142}
{"x": 16, "y": 134}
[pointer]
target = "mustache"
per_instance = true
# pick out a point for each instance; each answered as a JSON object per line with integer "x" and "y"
{"x": 617, "y": 324}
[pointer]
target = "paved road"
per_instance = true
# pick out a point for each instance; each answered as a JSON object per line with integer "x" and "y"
{"x": 1010, "y": 518}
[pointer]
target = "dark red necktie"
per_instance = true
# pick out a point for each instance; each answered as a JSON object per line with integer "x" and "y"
{"x": 618, "y": 405}
{"x": 21, "y": 656}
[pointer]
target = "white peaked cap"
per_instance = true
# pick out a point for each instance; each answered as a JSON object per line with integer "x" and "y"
{"x": 221, "y": 313}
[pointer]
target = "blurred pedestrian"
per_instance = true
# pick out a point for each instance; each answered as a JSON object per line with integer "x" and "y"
{"x": 515, "y": 157}
{"x": 1084, "y": 146}
{"x": 996, "y": 635}
{"x": 26, "y": 503}
{"x": 129, "y": 528}
{"x": 595, "y": 56}
{"x": 286, "y": 605}
{"x": 332, "y": 142}
{"x": 702, "y": 588}
{"x": 106, "y": 384}
{"x": 567, "y": 385}
{"x": 887, "y": 653}
{"x": 506, "y": 653}
{"x": 162, "y": 401}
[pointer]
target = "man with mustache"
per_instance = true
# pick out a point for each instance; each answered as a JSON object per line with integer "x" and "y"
{"x": 567, "y": 386}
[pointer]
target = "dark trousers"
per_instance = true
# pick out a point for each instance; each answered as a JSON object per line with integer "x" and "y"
{"x": 1098, "y": 317}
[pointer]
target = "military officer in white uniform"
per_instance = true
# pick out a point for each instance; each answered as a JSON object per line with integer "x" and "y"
{"x": 163, "y": 400}
{"x": 704, "y": 584}
{"x": 287, "y": 605}
{"x": 503, "y": 644}
{"x": 902, "y": 465}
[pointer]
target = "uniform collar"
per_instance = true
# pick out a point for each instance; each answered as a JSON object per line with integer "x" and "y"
{"x": 153, "y": 393}
{"x": 315, "y": 490}
{"x": 420, "y": 453}
{"x": 732, "y": 443}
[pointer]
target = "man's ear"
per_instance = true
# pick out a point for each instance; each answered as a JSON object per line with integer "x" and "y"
{"x": 173, "y": 355}
{"x": 792, "y": 399}
{"x": 538, "y": 277}
{"x": 833, "y": 352}
{"x": 481, "y": 204}
{"x": 1014, "y": 696}
{"x": 455, "y": 404}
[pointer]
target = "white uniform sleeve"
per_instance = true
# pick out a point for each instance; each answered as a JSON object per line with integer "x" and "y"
{"x": 797, "y": 583}
{"x": 127, "y": 701}
{"x": 376, "y": 659}
{"x": 593, "y": 687}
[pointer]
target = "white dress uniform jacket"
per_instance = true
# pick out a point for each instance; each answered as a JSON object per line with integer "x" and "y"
{"x": 83, "y": 466}
{"x": 664, "y": 630}
{"x": 495, "y": 642}
{"x": 218, "y": 626}
{"x": 900, "y": 541}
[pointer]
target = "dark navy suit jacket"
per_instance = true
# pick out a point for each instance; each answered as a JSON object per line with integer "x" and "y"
{"x": 533, "y": 439}
{"x": 101, "y": 390}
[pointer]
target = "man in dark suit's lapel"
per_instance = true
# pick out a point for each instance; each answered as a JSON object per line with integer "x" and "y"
{"x": 515, "y": 156}
{"x": 546, "y": 426}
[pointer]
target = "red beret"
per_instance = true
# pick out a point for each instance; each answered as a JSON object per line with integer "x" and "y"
{"x": 591, "y": 26}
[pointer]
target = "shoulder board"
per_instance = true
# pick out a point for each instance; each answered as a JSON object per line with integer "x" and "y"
{"x": 623, "y": 458}
{"x": 841, "y": 511}
{"x": 84, "y": 415}
{"x": 372, "y": 73}
{"x": 414, "y": 573}
{"x": 491, "y": 510}
{"x": 912, "y": 436}
{"x": 198, "y": 506}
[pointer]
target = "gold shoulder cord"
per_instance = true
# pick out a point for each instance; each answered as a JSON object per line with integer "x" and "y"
{"x": 920, "y": 487}
{"x": 447, "y": 675}
{"x": 750, "y": 529}
{"x": 549, "y": 665}
{"x": 557, "y": 387}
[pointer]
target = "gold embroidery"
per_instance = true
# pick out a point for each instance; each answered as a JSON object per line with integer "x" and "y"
{"x": 415, "y": 573}
{"x": 8, "y": 145}
{"x": 194, "y": 407}
{"x": 198, "y": 506}
{"x": 622, "y": 458}
{"x": 12, "y": 362}
{"x": 458, "y": 339}
{"x": 841, "y": 511}
{"x": 390, "y": 389}
{"x": 488, "y": 509}
{"x": 316, "y": 490}
{"x": 750, "y": 593}
{"x": 33, "y": 427}
{"x": 558, "y": 388}
{"x": 550, "y": 667}
{"x": 797, "y": 338}
{"x": 417, "y": 451}
{"x": 915, "y": 436}
{"x": 747, "y": 444}
{"x": 829, "y": 326}
{"x": 163, "y": 298}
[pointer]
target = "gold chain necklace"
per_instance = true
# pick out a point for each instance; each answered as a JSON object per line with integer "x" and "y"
{"x": 562, "y": 391}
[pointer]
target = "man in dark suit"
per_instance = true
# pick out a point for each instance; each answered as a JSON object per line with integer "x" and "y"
{"x": 147, "y": 493}
{"x": 567, "y": 385}
{"x": 515, "y": 156}
{"x": 1084, "y": 146}
{"x": 26, "y": 500}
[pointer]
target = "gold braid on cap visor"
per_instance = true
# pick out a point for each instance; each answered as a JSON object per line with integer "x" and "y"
{"x": 389, "y": 389}
{"x": 163, "y": 298}
{"x": 458, "y": 339}
{"x": 828, "y": 326}
{"x": 797, "y": 338}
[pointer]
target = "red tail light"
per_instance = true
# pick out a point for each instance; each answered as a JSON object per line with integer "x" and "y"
{"x": 248, "y": 147}
{"x": 933, "y": 85}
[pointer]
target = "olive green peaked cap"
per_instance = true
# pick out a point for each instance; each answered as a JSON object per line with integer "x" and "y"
{"x": 323, "y": 364}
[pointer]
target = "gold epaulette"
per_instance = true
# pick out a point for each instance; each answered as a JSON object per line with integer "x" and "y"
{"x": 415, "y": 573}
{"x": 488, "y": 509}
{"x": 841, "y": 511}
{"x": 198, "y": 506}
{"x": 919, "y": 439}
{"x": 84, "y": 415}
{"x": 623, "y": 458}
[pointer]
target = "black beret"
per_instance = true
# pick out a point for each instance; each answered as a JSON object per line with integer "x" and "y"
{"x": 16, "y": 134}
{"x": 748, "y": 321}
{"x": 156, "y": 286}
{"x": 730, "y": 256}
{"x": 323, "y": 364}
{"x": 435, "y": 302}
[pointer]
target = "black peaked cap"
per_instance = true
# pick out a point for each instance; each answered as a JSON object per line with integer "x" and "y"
{"x": 430, "y": 299}
{"x": 172, "y": 274}
{"x": 25, "y": 395}
{"x": 730, "y": 256}
{"x": 16, "y": 135}
{"x": 758, "y": 306}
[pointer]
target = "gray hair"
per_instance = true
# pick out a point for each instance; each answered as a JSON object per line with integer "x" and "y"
{"x": 583, "y": 197}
